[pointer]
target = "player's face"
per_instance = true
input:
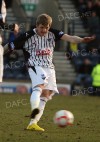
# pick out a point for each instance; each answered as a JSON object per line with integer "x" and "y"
{"x": 42, "y": 30}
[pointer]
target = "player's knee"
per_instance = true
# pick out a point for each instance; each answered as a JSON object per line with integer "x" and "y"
{"x": 39, "y": 89}
{"x": 46, "y": 93}
{"x": 50, "y": 97}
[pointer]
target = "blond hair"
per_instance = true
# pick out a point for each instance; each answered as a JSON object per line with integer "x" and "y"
{"x": 44, "y": 19}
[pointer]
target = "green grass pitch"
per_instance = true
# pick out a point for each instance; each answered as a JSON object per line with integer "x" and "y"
{"x": 14, "y": 108}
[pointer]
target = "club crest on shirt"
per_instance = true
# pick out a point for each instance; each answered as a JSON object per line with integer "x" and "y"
{"x": 61, "y": 33}
{"x": 51, "y": 42}
{"x": 43, "y": 76}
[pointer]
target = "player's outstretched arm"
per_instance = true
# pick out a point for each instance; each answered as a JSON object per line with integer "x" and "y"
{"x": 77, "y": 39}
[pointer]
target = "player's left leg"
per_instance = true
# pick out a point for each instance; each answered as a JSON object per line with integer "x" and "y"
{"x": 45, "y": 97}
{"x": 39, "y": 79}
{"x": 43, "y": 100}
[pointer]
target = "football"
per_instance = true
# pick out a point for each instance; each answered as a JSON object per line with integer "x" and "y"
{"x": 63, "y": 118}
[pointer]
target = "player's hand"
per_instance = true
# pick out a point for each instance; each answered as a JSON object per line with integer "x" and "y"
{"x": 88, "y": 39}
{"x": 16, "y": 28}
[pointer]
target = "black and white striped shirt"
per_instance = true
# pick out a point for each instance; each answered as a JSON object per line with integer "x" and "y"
{"x": 38, "y": 50}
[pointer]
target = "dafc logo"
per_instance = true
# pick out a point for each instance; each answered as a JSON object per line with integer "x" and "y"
{"x": 74, "y": 15}
{"x": 7, "y": 27}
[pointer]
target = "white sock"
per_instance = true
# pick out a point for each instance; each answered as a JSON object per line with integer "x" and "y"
{"x": 43, "y": 101}
{"x": 33, "y": 121}
{"x": 35, "y": 97}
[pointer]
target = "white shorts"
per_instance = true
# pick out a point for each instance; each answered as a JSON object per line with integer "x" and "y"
{"x": 1, "y": 63}
{"x": 40, "y": 75}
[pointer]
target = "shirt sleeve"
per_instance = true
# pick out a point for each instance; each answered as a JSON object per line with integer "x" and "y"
{"x": 58, "y": 34}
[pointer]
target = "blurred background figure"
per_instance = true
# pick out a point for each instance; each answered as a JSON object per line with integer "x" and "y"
{"x": 93, "y": 23}
{"x": 3, "y": 12}
{"x": 12, "y": 36}
{"x": 2, "y": 20}
{"x": 1, "y": 59}
{"x": 96, "y": 80}
{"x": 84, "y": 71}
{"x": 3, "y": 27}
